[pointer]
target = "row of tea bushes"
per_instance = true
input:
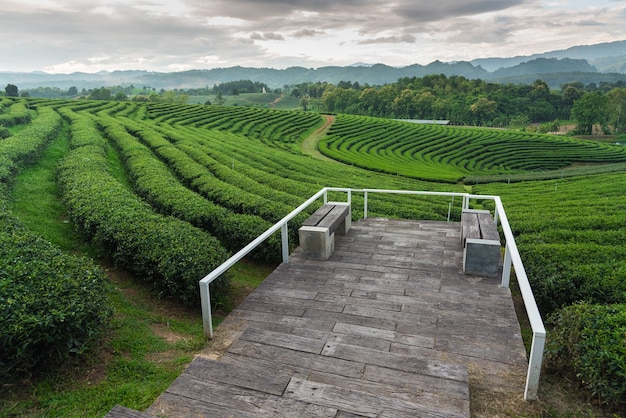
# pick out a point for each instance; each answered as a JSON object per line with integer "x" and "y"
{"x": 25, "y": 148}
{"x": 154, "y": 182}
{"x": 52, "y": 305}
{"x": 170, "y": 253}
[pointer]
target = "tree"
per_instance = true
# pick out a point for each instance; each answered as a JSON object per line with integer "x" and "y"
{"x": 571, "y": 93}
{"x": 11, "y": 90}
{"x": 72, "y": 91}
{"x": 617, "y": 106}
{"x": 100, "y": 94}
{"x": 589, "y": 110}
{"x": 219, "y": 99}
{"x": 304, "y": 102}
{"x": 482, "y": 108}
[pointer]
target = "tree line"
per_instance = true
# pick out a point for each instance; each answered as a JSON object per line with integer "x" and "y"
{"x": 473, "y": 102}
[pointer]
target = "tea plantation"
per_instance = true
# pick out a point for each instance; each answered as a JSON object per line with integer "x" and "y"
{"x": 203, "y": 181}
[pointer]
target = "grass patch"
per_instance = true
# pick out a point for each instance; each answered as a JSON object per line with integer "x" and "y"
{"x": 37, "y": 204}
{"x": 117, "y": 169}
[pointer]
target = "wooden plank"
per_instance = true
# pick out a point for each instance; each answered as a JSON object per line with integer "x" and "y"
{"x": 245, "y": 401}
{"x": 334, "y": 317}
{"x": 407, "y": 388}
{"x": 427, "y": 367}
{"x": 248, "y": 378}
{"x": 351, "y": 367}
{"x": 417, "y": 383}
{"x": 290, "y": 321}
{"x": 334, "y": 218}
{"x": 488, "y": 229}
{"x": 356, "y": 402}
{"x": 469, "y": 226}
{"x": 172, "y": 405}
{"x": 318, "y": 215}
{"x": 277, "y": 339}
{"x": 350, "y": 339}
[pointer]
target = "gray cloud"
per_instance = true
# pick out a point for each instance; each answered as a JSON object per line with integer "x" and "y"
{"x": 255, "y": 10}
{"x": 429, "y": 11}
{"x": 588, "y": 22}
{"x": 267, "y": 36}
{"x": 395, "y": 39}
{"x": 305, "y": 33}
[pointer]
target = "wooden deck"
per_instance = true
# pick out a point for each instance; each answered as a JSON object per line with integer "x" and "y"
{"x": 388, "y": 327}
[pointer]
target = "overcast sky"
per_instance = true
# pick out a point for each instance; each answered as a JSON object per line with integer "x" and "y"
{"x": 63, "y": 36}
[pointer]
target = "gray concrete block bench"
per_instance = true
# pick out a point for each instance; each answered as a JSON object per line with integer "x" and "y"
{"x": 481, "y": 243}
{"x": 317, "y": 233}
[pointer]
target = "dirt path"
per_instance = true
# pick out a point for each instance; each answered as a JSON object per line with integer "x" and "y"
{"x": 309, "y": 145}
{"x": 276, "y": 100}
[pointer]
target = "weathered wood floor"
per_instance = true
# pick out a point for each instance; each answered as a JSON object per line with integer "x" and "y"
{"x": 388, "y": 327}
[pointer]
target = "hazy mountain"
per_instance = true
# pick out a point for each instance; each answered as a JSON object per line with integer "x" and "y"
{"x": 603, "y": 56}
{"x": 589, "y": 63}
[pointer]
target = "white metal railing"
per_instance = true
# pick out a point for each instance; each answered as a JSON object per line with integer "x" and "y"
{"x": 511, "y": 259}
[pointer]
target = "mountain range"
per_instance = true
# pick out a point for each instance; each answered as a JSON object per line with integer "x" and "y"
{"x": 597, "y": 63}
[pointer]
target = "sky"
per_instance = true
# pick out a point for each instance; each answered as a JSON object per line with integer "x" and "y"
{"x": 64, "y": 36}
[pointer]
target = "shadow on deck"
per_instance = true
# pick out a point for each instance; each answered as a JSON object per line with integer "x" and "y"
{"x": 388, "y": 327}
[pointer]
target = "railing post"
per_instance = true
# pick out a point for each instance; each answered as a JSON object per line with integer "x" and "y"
{"x": 325, "y": 196}
{"x": 350, "y": 196}
{"x": 205, "y": 300}
{"x": 284, "y": 235}
{"x": 534, "y": 366}
{"x": 365, "y": 205}
{"x": 506, "y": 267}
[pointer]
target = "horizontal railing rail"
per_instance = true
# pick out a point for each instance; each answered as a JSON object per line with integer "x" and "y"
{"x": 512, "y": 259}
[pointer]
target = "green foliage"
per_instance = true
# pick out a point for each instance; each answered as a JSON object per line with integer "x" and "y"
{"x": 589, "y": 110}
{"x": 168, "y": 252}
{"x": 240, "y": 86}
{"x": 52, "y": 305}
{"x": 588, "y": 343}
{"x": 11, "y": 90}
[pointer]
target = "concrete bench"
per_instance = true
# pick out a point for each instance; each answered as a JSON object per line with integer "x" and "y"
{"x": 317, "y": 233}
{"x": 481, "y": 243}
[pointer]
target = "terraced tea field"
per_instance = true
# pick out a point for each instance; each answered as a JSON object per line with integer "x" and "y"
{"x": 448, "y": 154}
{"x": 200, "y": 182}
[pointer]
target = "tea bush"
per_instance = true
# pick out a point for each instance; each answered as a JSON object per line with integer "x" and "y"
{"x": 52, "y": 304}
{"x": 588, "y": 344}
